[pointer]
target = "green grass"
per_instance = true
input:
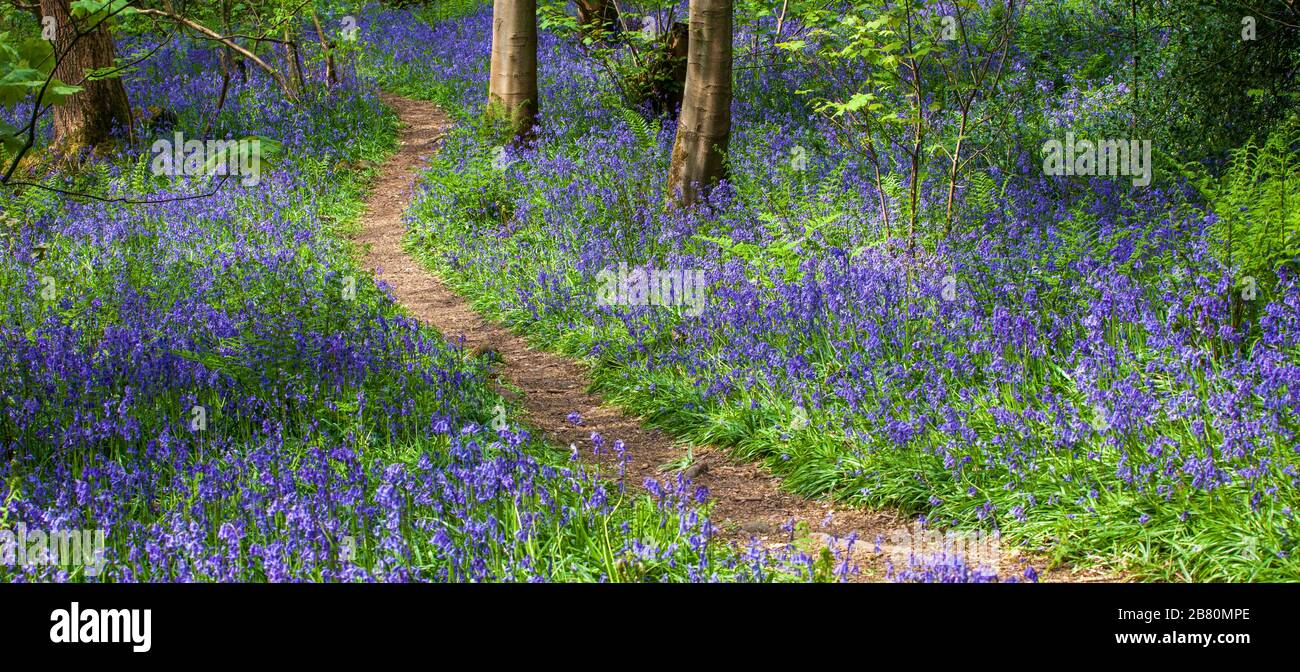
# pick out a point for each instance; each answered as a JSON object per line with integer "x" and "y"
{"x": 1215, "y": 542}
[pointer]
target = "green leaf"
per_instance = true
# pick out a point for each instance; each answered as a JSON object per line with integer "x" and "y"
{"x": 110, "y": 72}
{"x": 37, "y": 54}
{"x": 237, "y": 152}
{"x": 18, "y": 83}
{"x": 9, "y": 138}
{"x": 58, "y": 92}
{"x": 858, "y": 101}
{"x": 95, "y": 12}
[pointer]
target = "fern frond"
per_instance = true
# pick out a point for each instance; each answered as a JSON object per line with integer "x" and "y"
{"x": 641, "y": 129}
{"x": 1256, "y": 200}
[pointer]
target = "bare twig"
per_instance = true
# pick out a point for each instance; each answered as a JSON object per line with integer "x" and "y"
{"x": 217, "y": 37}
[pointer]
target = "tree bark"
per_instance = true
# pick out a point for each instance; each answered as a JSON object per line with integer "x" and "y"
{"x": 599, "y": 14}
{"x": 294, "y": 61}
{"x": 704, "y": 128}
{"x": 330, "y": 77}
{"x": 86, "y": 118}
{"x": 512, "y": 88}
{"x": 678, "y": 47}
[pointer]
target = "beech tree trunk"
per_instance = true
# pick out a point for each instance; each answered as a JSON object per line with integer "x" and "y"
{"x": 512, "y": 88}
{"x": 704, "y": 128}
{"x": 88, "y": 117}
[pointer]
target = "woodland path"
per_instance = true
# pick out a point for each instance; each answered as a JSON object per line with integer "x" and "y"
{"x": 749, "y": 502}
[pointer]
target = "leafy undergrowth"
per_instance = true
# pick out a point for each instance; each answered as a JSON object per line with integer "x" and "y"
{"x": 216, "y": 385}
{"x": 1072, "y": 371}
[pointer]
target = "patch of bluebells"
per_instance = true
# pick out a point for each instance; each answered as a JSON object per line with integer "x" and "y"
{"x": 949, "y": 567}
{"x": 1001, "y": 391}
{"x": 338, "y": 439}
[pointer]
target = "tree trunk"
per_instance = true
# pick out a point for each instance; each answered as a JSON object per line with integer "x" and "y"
{"x": 294, "y": 61}
{"x": 679, "y": 41}
{"x": 599, "y": 14}
{"x": 704, "y": 128}
{"x": 512, "y": 89}
{"x": 661, "y": 84}
{"x": 88, "y": 117}
{"x": 330, "y": 76}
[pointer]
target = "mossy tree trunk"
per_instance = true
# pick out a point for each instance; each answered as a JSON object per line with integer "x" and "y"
{"x": 89, "y": 117}
{"x": 704, "y": 127}
{"x": 512, "y": 88}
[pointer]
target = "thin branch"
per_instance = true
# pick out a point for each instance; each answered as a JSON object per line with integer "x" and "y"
{"x": 215, "y": 36}
{"x": 129, "y": 201}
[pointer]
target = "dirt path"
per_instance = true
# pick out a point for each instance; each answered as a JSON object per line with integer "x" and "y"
{"x": 749, "y": 501}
